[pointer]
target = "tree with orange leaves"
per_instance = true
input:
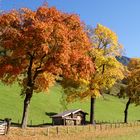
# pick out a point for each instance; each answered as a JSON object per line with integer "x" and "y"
{"x": 131, "y": 86}
{"x": 41, "y": 46}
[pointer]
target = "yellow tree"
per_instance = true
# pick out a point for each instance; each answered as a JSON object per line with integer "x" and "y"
{"x": 132, "y": 87}
{"x": 108, "y": 70}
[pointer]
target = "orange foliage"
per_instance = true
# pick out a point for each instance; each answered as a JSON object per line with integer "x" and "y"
{"x": 44, "y": 41}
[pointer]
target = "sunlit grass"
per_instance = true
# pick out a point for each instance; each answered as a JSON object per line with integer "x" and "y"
{"x": 42, "y": 104}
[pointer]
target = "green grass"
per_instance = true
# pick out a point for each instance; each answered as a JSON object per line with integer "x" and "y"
{"x": 110, "y": 108}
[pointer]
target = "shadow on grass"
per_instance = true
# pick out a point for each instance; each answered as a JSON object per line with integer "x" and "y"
{"x": 13, "y": 124}
{"x": 50, "y": 113}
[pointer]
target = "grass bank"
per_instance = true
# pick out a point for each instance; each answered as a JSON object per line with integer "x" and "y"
{"x": 45, "y": 104}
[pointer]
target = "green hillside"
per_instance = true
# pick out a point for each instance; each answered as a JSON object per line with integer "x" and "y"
{"x": 44, "y": 104}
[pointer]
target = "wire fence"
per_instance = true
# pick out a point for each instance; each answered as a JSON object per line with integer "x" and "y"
{"x": 42, "y": 123}
{"x": 100, "y": 126}
{"x": 88, "y": 128}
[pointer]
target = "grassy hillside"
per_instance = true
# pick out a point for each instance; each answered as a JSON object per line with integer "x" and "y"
{"x": 45, "y": 104}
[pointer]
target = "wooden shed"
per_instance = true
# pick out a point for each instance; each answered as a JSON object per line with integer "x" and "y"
{"x": 70, "y": 117}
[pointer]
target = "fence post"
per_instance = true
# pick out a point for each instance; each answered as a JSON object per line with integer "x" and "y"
{"x": 67, "y": 129}
{"x": 110, "y": 125}
{"x": 18, "y": 121}
{"x": 76, "y": 128}
{"x": 97, "y": 121}
{"x": 115, "y": 125}
{"x": 134, "y": 123}
{"x": 95, "y": 127}
{"x": 31, "y": 122}
{"x": 118, "y": 124}
{"x": 83, "y": 128}
{"x": 48, "y": 131}
{"x": 89, "y": 127}
{"x": 126, "y": 124}
{"x": 105, "y": 126}
{"x": 57, "y": 131}
{"x": 100, "y": 126}
{"x": 33, "y": 131}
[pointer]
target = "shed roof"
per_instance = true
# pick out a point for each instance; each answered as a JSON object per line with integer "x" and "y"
{"x": 68, "y": 112}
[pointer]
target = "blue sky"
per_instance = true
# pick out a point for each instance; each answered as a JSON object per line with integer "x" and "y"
{"x": 122, "y": 16}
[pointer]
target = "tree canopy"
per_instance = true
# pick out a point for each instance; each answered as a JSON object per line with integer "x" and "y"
{"x": 132, "y": 86}
{"x": 105, "y": 48}
{"x": 40, "y": 47}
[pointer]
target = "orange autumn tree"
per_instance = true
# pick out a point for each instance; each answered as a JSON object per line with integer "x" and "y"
{"x": 131, "y": 87}
{"x": 42, "y": 46}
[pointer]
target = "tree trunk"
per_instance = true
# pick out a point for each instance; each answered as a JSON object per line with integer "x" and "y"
{"x": 92, "y": 107}
{"x": 28, "y": 92}
{"x": 126, "y": 110}
{"x": 26, "y": 109}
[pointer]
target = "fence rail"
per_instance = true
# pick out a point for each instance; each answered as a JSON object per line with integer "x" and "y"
{"x": 62, "y": 130}
{"x": 3, "y": 128}
{"x": 43, "y": 123}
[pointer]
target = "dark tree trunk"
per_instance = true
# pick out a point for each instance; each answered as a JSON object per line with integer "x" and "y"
{"x": 28, "y": 93}
{"x": 126, "y": 110}
{"x": 92, "y": 107}
{"x": 25, "y": 109}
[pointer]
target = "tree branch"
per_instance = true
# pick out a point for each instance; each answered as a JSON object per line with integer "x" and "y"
{"x": 103, "y": 69}
{"x": 29, "y": 72}
{"x": 38, "y": 69}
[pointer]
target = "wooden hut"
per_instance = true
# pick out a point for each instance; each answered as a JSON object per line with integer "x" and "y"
{"x": 70, "y": 117}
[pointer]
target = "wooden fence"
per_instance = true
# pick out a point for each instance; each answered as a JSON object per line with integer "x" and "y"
{"x": 87, "y": 128}
{"x": 62, "y": 130}
{"x": 3, "y": 128}
{"x": 31, "y": 123}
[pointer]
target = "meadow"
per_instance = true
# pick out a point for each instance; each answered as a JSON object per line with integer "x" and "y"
{"x": 121, "y": 132}
{"x": 43, "y": 105}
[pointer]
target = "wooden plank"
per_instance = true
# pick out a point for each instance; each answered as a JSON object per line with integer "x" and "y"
{"x": 4, "y": 124}
{"x": 2, "y": 133}
{"x": 3, "y": 127}
{"x": 2, "y": 130}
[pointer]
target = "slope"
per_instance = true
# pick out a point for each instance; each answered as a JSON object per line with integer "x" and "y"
{"x": 45, "y": 104}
